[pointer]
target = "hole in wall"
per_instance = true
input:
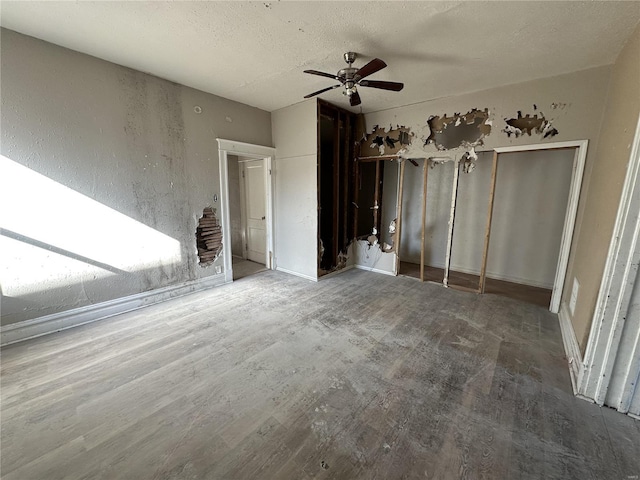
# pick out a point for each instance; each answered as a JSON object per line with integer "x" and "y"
{"x": 208, "y": 237}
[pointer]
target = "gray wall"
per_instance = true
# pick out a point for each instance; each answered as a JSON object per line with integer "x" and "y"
{"x": 235, "y": 206}
{"x": 131, "y": 155}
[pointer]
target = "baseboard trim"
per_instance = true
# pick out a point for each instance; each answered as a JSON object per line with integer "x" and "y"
{"x": 18, "y": 332}
{"x": 571, "y": 347}
{"x": 301, "y": 275}
{"x": 375, "y": 270}
{"x": 336, "y": 272}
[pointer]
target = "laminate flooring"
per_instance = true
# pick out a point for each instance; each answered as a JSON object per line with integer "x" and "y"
{"x": 243, "y": 268}
{"x": 525, "y": 293}
{"x": 359, "y": 376}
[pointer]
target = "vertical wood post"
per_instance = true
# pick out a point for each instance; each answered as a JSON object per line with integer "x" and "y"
{"x": 399, "y": 218}
{"x": 452, "y": 216}
{"x": 485, "y": 253}
{"x": 425, "y": 169}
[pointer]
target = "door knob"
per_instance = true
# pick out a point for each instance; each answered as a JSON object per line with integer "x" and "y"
{"x": 264, "y": 218}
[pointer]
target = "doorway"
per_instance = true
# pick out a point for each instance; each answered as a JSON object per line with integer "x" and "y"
{"x": 246, "y": 191}
{"x": 524, "y": 213}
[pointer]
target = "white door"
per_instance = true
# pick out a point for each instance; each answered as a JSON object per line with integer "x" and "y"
{"x": 255, "y": 208}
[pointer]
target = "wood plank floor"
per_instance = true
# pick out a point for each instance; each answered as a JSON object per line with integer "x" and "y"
{"x": 517, "y": 291}
{"x": 359, "y": 376}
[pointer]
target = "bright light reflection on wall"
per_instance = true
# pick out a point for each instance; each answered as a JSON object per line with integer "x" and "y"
{"x": 89, "y": 240}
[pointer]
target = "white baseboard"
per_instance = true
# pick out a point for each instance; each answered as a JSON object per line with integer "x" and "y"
{"x": 297, "y": 274}
{"x": 336, "y": 272}
{"x": 375, "y": 270}
{"x": 55, "y": 322}
{"x": 571, "y": 347}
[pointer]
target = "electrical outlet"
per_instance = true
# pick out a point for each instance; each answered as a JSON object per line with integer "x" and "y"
{"x": 218, "y": 269}
{"x": 574, "y": 296}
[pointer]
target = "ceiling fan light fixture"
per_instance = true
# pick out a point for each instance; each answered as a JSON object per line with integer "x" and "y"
{"x": 350, "y": 77}
{"x": 350, "y": 88}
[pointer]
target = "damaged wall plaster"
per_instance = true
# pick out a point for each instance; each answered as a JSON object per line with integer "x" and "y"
{"x": 466, "y": 130}
{"x": 390, "y": 141}
{"x": 530, "y": 124}
{"x": 134, "y": 145}
{"x": 208, "y": 237}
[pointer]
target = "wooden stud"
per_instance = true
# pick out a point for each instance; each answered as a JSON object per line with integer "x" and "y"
{"x": 452, "y": 215}
{"x": 485, "y": 253}
{"x": 399, "y": 219}
{"x": 376, "y": 202}
{"x": 425, "y": 169}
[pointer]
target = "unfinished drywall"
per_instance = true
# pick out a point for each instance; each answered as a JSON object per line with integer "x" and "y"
{"x": 126, "y": 163}
{"x": 604, "y": 176}
{"x": 235, "y": 207}
{"x": 296, "y": 200}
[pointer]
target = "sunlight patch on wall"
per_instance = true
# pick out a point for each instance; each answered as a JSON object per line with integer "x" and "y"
{"x": 53, "y": 235}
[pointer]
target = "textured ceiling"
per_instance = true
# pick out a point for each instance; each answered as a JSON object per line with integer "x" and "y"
{"x": 255, "y": 52}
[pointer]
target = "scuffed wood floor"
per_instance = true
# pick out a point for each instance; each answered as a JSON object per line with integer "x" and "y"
{"x": 360, "y": 376}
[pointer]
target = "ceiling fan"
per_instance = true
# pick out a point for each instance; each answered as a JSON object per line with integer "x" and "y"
{"x": 352, "y": 78}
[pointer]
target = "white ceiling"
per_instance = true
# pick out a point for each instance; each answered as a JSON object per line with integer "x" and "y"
{"x": 255, "y": 52}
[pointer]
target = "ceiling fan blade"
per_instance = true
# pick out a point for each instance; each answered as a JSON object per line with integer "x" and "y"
{"x": 373, "y": 66}
{"x": 322, "y": 74}
{"x": 322, "y": 91}
{"x": 395, "y": 86}
{"x": 355, "y": 99}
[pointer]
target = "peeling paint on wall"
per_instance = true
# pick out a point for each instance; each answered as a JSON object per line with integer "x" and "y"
{"x": 469, "y": 161}
{"x": 208, "y": 237}
{"x": 530, "y": 124}
{"x": 466, "y": 130}
{"x": 386, "y": 247}
{"x": 391, "y": 141}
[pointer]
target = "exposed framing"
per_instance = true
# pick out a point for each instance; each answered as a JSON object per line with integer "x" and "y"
{"x": 618, "y": 278}
{"x": 230, "y": 147}
{"x": 487, "y": 234}
{"x": 452, "y": 216}
{"x": 425, "y": 170}
{"x": 403, "y": 162}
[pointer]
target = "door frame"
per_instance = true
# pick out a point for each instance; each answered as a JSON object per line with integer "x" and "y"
{"x": 613, "y": 302}
{"x": 241, "y": 149}
{"x": 579, "y": 161}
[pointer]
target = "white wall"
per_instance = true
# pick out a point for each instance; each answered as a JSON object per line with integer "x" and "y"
{"x": 125, "y": 167}
{"x": 296, "y": 199}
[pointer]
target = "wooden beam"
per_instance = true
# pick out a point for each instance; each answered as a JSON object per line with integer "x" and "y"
{"x": 485, "y": 253}
{"x": 425, "y": 169}
{"x": 356, "y": 197}
{"x": 452, "y": 216}
{"x": 376, "y": 201}
{"x": 399, "y": 219}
